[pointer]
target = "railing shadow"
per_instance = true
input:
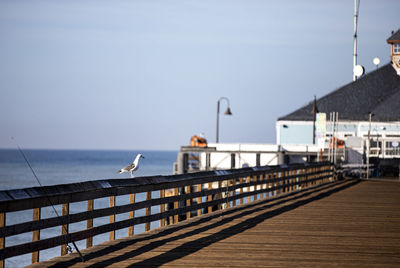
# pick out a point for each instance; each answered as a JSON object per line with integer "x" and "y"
{"x": 304, "y": 197}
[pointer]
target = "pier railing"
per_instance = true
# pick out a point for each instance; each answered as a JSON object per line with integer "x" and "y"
{"x": 180, "y": 197}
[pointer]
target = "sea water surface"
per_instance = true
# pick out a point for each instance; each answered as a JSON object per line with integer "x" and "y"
{"x": 70, "y": 166}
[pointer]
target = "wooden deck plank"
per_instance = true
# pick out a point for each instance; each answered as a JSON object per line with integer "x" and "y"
{"x": 349, "y": 223}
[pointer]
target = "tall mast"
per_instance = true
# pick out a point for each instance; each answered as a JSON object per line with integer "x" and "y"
{"x": 355, "y": 39}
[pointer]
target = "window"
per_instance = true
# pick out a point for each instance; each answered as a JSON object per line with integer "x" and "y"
{"x": 376, "y": 144}
{"x": 396, "y": 48}
{"x": 393, "y": 136}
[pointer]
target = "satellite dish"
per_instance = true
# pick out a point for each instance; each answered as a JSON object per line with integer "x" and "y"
{"x": 358, "y": 70}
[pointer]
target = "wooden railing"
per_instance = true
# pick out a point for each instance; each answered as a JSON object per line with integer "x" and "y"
{"x": 189, "y": 195}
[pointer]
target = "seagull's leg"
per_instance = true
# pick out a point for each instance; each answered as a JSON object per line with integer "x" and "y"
{"x": 132, "y": 174}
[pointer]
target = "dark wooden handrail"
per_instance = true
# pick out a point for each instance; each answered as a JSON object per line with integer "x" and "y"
{"x": 229, "y": 186}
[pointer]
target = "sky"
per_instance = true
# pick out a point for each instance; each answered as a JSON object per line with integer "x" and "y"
{"x": 148, "y": 74}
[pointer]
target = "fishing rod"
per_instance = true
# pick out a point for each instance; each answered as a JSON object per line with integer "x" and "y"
{"x": 48, "y": 199}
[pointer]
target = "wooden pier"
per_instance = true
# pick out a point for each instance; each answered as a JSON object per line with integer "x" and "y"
{"x": 347, "y": 223}
{"x": 262, "y": 216}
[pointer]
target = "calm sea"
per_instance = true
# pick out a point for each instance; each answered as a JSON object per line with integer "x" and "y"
{"x": 69, "y": 166}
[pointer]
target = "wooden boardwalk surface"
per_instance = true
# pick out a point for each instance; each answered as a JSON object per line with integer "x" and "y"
{"x": 347, "y": 223}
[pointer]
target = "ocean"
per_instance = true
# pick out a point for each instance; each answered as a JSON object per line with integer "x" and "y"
{"x": 70, "y": 166}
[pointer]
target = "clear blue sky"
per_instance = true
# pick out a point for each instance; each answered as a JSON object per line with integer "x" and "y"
{"x": 148, "y": 74}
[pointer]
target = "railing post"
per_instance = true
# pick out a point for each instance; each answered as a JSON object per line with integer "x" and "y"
{"x": 176, "y": 205}
{"x": 241, "y": 190}
{"x": 2, "y": 239}
{"x": 227, "y": 194}
{"x": 234, "y": 192}
{"x": 148, "y": 212}
{"x": 305, "y": 178}
{"x": 112, "y": 217}
{"x": 285, "y": 178}
{"x": 199, "y": 199}
{"x": 280, "y": 182}
{"x": 209, "y": 198}
{"x": 255, "y": 179}
{"x": 264, "y": 185}
{"x": 283, "y": 183}
{"x": 220, "y": 195}
{"x": 64, "y": 228}
{"x": 162, "y": 208}
{"x": 132, "y": 215}
{"x": 89, "y": 224}
{"x": 274, "y": 192}
{"x": 36, "y": 234}
{"x": 284, "y": 175}
{"x": 314, "y": 176}
{"x": 188, "y": 201}
{"x": 248, "y": 180}
{"x": 321, "y": 174}
{"x": 298, "y": 179}
{"x": 270, "y": 184}
{"x": 301, "y": 178}
{"x": 327, "y": 173}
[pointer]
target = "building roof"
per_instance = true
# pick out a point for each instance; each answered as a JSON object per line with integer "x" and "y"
{"x": 377, "y": 92}
{"x": 395, "y": 38}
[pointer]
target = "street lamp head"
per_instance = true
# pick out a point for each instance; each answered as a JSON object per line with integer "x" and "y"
{"x": 227, "y": 112}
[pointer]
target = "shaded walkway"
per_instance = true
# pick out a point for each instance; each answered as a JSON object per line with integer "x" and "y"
{"x": 345, "y": 223}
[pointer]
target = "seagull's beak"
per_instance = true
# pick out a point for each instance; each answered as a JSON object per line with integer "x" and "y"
{"x": 142, "y": 156}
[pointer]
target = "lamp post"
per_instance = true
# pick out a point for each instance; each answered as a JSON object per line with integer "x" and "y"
{"x": 227, "y": 112}
{"x": 369, "y": 143}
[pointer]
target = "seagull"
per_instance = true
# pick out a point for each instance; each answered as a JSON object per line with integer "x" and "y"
{"x": 132, "y": 167}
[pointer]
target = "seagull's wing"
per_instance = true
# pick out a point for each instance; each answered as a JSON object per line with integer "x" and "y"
{"x": 129, "y": 167}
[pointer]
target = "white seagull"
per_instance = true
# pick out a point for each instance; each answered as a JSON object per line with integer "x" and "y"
{"x": 132, "y": 167}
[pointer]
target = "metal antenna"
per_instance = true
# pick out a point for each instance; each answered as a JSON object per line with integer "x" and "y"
{"x": 48, "y": 199}
{"x": 356, "y": 10}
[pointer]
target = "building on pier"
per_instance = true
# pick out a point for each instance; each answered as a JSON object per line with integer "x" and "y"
{"x": 366, "y": 127}
{"x": 367, "y": 111}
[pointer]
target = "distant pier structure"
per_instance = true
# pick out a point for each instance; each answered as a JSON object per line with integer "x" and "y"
{"x": 229, "y": 156}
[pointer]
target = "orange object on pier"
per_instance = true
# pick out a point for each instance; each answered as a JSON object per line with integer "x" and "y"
{"x": 339, "y": 142}
{"x": 197, "y": 141}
